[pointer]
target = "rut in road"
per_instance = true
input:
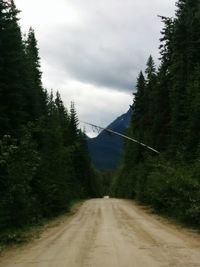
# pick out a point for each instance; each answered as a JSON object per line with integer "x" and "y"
{"x": 109, "y": 233}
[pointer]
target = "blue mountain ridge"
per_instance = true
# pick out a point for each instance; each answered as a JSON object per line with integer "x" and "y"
{"x": 106, "y": 149}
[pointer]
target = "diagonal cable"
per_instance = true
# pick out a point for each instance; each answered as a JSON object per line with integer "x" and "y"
{"x": 122, "y": 135}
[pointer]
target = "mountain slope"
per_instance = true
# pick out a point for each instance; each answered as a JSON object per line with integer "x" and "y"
{"x": 106, "y": 149}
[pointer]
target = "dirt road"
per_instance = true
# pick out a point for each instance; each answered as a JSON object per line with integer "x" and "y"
{"x": 109, "y": 233}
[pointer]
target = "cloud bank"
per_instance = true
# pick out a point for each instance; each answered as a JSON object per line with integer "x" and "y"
{"x": 93, "y": 50}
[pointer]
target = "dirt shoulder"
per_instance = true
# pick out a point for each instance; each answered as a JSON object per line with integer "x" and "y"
{"x": 32, "y": 233}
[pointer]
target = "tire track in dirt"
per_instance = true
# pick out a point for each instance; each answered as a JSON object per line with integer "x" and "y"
{"x": 109, "y": 233}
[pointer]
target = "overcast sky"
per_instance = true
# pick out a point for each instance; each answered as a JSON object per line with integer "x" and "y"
{"x": 92, "y": 50}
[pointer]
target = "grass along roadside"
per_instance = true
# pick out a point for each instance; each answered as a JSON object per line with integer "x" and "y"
{"x": 19, "y": 236}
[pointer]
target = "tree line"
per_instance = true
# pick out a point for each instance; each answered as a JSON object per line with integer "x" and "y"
{"x": 166, "y": 116}
{"x": 44, "y": 162}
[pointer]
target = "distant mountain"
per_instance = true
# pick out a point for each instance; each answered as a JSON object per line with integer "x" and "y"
{"x": 106, "y": 149}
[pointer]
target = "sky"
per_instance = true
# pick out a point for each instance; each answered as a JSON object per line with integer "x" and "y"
{"x": 92, "y": 51}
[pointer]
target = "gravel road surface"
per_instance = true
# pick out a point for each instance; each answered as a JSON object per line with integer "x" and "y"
{"x": 109, "y": 233}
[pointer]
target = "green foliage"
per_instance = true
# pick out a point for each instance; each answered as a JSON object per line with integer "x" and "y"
{"x": 12, "y": 86}
{"x": 166, "y": 116}
{"x": 173, "y": 189}
{"x": 13, "y": 236}
{"x": 35, "y": 95}
{"x": 18, "y": 165}
{"x": 44, "y": 162}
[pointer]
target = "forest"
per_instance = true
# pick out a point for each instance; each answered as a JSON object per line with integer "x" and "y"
{"x": 166, "y": 116}
{"x": 44, "y": 162}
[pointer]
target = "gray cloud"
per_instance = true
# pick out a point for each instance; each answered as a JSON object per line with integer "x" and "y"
{"x": 111, "y": 45}
{"x": 92, "y": 51}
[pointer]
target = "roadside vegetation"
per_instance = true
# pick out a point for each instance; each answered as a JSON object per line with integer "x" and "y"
{"x": 166, "y": 116}
{"x": 44, "y": 162}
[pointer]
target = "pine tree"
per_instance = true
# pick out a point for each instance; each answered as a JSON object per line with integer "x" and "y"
{"x": 138, "y": 101}
{"x": 193, "y": 123}
{"x": 73, "y": 123}
{"x": 167, "y": 117}
{"x": 136, "y": 128}
{"x": 35, "y": 93}
{"x": 12, "y": 90}
{"x": 64, "y": 119}
{"x": 150, "y": 69}
{"x": 161, "y": 124}
{"x": 46, "y": 165}
{"x": 150, "y": 102}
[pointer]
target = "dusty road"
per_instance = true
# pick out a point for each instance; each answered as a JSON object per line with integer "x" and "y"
{"x": 109, "y": 233}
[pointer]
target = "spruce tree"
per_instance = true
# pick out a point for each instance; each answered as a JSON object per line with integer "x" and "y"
{"x": 35, "y": 94}
{"x": 64, "y": 119}
{"x": 167, "y": 115}
{"x": 44, "y": 162}
{"x": 12, "y": 89}
{"x": 150, "y": 99}
{"x": 73, "y": 123}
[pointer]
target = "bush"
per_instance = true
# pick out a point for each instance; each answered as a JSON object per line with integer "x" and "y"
{"x": 18, "y": 165}
{"x": 174, "y": 190}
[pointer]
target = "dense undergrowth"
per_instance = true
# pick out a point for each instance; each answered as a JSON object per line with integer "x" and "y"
{"x": 166, "y": 116}
{"x": 44, "y": 160}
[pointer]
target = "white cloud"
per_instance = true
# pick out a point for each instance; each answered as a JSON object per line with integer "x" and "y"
{"x": 48, "y": 14}
{"x": 94, "y": 105}
{"x": 97, "y": 105}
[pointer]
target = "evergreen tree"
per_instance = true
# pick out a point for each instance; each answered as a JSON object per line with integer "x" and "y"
{"x": 166, "y": 116}
{"x": 12, "y": 90}
{"x": 73, "y": 123}
{"x": 35, "y": 93}
{"x": 64, "y": 119}
{"x": 185, "y": 58}
{"x": 44, "y": 162}
{"x": 150, "y": 102}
